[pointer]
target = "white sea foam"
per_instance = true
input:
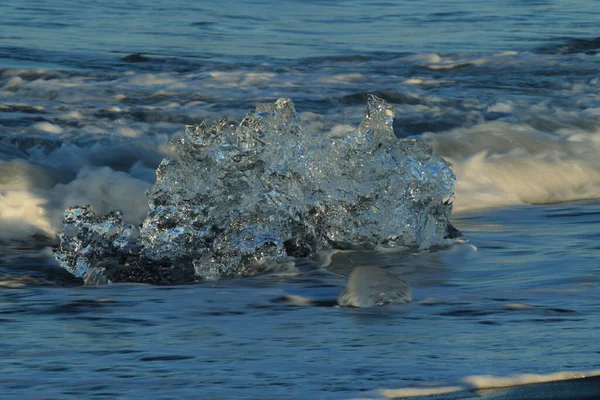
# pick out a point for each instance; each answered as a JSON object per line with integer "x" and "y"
{"x": 490, "y": 381}
{"x": 418, "y": 392}
{"x": 423, "y": 81}
{"x": 153, "y": 79}
{"x": 24, "y": 200}
{"x": 49, "y": 128}
{"x": 504, "y": 107}
{"x": 32, "y": 197}
{"x": 431, "y": 58}
{"x": 71, "y": 115}
{"x": 22, "y": 175}
{"x": 105, "y": 190}
{"x": 23, "y": 214}
{"x": 477, "y": 382}
{"x": 485, "y": 181}
{"x": 343, "y": 78}
{"x": 499, "y": 164}
{"x": 243, "y": 78}
{"x": 13, "y": 83}
{"x": 506, "y": 54}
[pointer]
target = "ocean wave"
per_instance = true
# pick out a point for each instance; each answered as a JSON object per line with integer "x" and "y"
{"x": 520, "y": 127}
{"x": 502, "y": 164}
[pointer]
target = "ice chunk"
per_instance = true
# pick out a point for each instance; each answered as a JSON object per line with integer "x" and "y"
{"x": 87, "y": 239}
{"x": 104, "y": 249}
{"x": 374, "y": 286}
{"x": 237, "y": 195}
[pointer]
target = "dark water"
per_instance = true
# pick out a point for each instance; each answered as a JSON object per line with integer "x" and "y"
{"x": 91, "y": 93}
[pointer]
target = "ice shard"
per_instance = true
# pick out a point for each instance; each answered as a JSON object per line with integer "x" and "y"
{"x": 239, "y": 196}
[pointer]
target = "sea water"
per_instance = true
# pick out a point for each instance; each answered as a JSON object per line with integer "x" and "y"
{"x": 92, "y": 93}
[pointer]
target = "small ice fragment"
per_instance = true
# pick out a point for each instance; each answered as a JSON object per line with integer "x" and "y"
{"x": 374, "y": 286}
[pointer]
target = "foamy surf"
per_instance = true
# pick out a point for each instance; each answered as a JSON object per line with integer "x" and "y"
{"x": 501, "y": 164}
{"x": 32, "y": 201}
{"x": 475, "y": 383}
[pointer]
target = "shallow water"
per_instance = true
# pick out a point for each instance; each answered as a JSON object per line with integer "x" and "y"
{"x": 522, "y": 296}
{"x": 509, "y": 94}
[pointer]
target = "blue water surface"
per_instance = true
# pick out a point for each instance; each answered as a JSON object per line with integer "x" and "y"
{"x": 91, "y": 93}
{"x": 237, "y": 30}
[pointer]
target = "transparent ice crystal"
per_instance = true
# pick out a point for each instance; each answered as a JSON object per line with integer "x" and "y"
{"x": 238, "y": 195}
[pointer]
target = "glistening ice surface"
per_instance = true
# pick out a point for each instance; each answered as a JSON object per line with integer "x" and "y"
{"x": 239, "y": 196}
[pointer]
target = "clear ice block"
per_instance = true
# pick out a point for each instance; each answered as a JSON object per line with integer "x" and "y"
{"x": 238, "y": 195}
